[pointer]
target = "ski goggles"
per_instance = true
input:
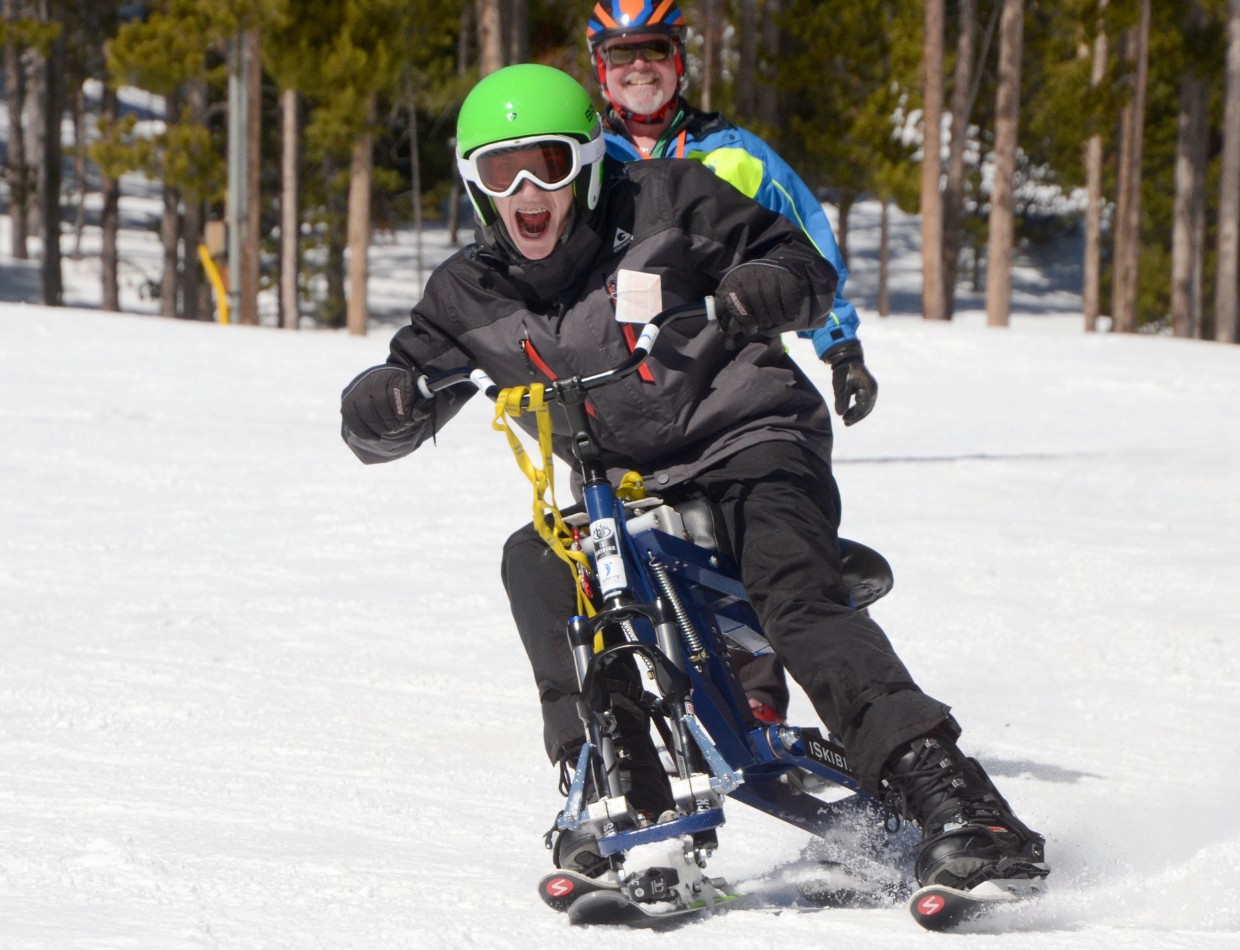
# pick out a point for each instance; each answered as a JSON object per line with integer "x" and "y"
{"x": 549, "y": 161}
{"x": 652, "y": 51}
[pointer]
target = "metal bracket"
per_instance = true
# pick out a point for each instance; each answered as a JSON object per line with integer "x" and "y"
{"x": 726, "y": 779}
{"x": 570, "y": 818}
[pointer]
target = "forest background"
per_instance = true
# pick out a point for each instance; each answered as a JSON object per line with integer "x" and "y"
{"x": 290, "y": 133}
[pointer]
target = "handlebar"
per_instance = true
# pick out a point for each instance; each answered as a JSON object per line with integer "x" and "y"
{"x": 429, "y": 385}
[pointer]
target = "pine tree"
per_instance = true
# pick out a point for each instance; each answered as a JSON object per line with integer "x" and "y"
{"x": 845, "y": 110}
{"x": 172, "y": 54}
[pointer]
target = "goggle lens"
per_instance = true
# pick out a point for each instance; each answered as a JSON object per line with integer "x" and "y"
{"x": 652, "y": 51}
{"x": 549, "y": 163}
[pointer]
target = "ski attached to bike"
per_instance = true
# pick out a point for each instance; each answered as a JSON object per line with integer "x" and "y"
{"x": 937, "y": 907}
{"x": 644, "y": 902}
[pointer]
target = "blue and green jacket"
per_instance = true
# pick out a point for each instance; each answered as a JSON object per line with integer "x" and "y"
{"x": 756, "y": 170}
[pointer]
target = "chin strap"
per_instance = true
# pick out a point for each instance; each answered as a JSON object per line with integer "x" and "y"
{"x": 548, "y": 521}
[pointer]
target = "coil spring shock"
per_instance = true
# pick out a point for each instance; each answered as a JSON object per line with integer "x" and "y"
{"x": 630, "y": 634}
{"x": 693, "y": 640}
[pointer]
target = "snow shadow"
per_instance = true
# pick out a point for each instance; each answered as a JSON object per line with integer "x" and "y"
{"x": 1043, "y": 771}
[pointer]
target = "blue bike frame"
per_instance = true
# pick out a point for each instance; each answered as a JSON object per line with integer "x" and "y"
{"x": 668, "y": 581}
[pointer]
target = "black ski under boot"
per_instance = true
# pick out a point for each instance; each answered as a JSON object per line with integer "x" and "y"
{"x": 969, "y": 834}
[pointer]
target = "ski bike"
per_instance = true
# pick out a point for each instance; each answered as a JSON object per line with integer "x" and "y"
{"x": 668, "y": 600}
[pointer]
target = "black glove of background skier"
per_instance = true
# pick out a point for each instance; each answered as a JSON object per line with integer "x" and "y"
{"x": 851, "y": 381}
{"x": 758, "y": 298}
{"x": 380, "y": 403}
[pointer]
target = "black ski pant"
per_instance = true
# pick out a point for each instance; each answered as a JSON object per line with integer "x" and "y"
{"x": 781, "y": 511}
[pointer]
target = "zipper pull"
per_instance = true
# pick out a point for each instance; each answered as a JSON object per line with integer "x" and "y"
{"x": 525, "y": 352}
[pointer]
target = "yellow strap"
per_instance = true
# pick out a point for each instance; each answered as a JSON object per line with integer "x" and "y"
{"x": 217, "y": 281}
{"x": 557, "y": 534}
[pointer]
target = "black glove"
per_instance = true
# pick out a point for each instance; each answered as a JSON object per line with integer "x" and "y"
{"x": 380, "y": 404}
{"x": 851, "y": 381}
{"x": 758, "y": 298}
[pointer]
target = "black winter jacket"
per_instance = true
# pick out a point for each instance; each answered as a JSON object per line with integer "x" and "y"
{"x": 528, "y": 321}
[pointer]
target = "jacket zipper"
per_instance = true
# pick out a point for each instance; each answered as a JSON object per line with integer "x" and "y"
{"x": 538, "y": 364}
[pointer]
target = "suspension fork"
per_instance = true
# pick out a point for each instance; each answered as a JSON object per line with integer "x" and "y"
{"x": 581, "y": 639}
{"x": 669, "y": 614}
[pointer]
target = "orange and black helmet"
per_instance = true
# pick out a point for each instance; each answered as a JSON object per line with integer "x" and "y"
{"x": 618, "y": 17}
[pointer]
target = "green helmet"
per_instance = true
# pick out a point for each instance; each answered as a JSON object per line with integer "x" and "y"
{"x": 525, "y": 103}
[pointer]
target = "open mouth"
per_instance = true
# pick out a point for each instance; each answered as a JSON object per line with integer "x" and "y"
{"x": 533, "y": 224}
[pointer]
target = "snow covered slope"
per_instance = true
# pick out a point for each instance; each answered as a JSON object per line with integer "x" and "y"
{"x": 256, "y": 695}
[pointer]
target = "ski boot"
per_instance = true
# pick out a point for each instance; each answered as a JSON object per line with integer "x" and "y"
{"x": 969, "y": 833}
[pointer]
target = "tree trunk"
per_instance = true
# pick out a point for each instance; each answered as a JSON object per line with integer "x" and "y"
{"x": 768, "y": 88}
{"x": 454, "y": 211}
{"x": 251, "y": 254}
{"x": 34, "y": 118}
{"x": 490, "y": 41}
{"x": 18, "y": 169}
{"x": 884, "y": 259}
{"x": 1128, "y": 206}
{"x": 198, "y": 302}
{"x": 709, "y": 26}
{"x": 335, "y": 301}
{"x": 747, "y": 62}
{"x": 360, "y": 172}
{"x": 109, "y": 219}
{"x": 170, "y": 228}
{"x": 415, "y": 186}
{"x": 931, "y": 164}
{"x": 517, "y": 16}
{"x": 51, "y": 286}
{"x": 1227, "y": 280}
{"x": 290, "y": 209}
{"x": 953, "y": 192}
{"x": 846, "y": 201}
{"x": 333, "y": 306}
{"x": 1002, "y": 199}
{"x": 195, "y": 294}
{"x": 78, "y": 107}
{"x": 1091, "y": 291}
{"x": 1189, "y": 218}
{"x": 169, "y": 239}
{"x": 468, "y": 12}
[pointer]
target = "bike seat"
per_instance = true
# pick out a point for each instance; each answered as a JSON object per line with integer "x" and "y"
{"x": 704, "y": 524}
{"x": 866, "y": 572}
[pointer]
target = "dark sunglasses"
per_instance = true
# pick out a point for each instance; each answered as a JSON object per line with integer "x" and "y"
{"x": 652, "y": 51}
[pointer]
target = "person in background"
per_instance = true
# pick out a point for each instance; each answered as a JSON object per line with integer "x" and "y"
{"x": 638, "y": 53}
